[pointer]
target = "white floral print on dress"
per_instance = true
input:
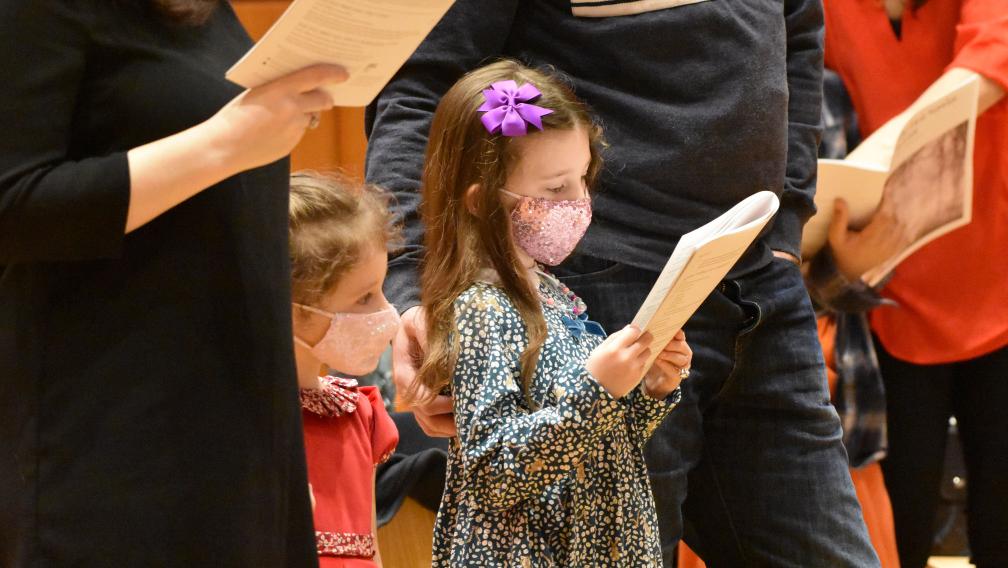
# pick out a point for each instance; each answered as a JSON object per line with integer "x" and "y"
{"x": 562, "y": 485}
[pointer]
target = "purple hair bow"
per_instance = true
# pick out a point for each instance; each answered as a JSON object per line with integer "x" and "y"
{"x": 507, "y": 109}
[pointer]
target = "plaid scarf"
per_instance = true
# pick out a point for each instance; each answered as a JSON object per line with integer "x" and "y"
{"x": 860, "y": 395}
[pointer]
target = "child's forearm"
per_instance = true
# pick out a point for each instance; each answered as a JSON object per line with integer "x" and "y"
{"x": 511, "y": 453}
{"x": 647, "y": 413}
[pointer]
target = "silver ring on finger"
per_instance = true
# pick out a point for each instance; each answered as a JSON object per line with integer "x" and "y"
{"x": 314, "y": 121}
{"x": 684, "y": 373}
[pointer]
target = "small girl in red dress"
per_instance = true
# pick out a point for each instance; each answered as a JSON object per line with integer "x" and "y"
{"x": 339, "y": 232}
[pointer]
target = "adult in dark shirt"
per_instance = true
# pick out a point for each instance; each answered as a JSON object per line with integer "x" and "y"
{"x": 148, "y": 402}
{"x": 703, "y": 103}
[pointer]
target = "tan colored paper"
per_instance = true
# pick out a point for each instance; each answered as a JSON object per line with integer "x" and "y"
{"x": 370, "y": 38}
{"x": 701, "y": 259}
{"x": 922, "y": 161}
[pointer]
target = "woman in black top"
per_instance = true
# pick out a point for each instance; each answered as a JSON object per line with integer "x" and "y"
{"x": 148, "y": 405}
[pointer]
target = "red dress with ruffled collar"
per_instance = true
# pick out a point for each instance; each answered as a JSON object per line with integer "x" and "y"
{"x": 347, "y": 433}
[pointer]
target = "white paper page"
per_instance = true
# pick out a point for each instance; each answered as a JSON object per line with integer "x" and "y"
{"x": 668, "y": 277}
{"x": 862, "y": 178}
{"x": 932, "y": 188}
{"x": 859, "y": 185}
{"x": 957, "y": 105}
{"x": 370, "y": 38}
{"x": 750, "y": 210}
{"x": 698, "y": 264}
{"x": 877, "y": 149}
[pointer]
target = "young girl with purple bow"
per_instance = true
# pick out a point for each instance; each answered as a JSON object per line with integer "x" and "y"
{"x": 547, "y": 468}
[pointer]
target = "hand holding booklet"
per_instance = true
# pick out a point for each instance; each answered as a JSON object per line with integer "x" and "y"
{"x": 918, "y": 168}
{"x": 371, "y": 39}
{"x": 701, "y": 259}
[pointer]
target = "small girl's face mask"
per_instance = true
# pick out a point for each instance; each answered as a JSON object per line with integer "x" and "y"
{"x": 547, "y": 229}
{"x": 553, "y": 209}
{"x": 354, "y": 342}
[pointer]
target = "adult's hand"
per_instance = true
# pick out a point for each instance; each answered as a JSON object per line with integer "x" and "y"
{"x": 436, "y": 417}
{"x": 669, "y": 368}
{"x": 264, "y": 123}
{"x": 858, "y": 251}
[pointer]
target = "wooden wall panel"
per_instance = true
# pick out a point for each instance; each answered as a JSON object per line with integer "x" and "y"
{"x": 338, "y": 142}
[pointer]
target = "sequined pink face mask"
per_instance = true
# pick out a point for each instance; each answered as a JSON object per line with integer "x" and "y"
{"x": 547, "y": 229}
{"x": 354, "y": 342}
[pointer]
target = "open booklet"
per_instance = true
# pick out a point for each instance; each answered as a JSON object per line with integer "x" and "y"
{"x": 918, "y": 166}
{"x": 371, "y": 39}
{"x": 701, "y": 259}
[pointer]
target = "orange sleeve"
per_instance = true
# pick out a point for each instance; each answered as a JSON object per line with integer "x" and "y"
{"x": 828, "y": 55}
{"x": 981, "y": 42}
{"x": 384, "y": 434}
{"x": 831, "y": 41}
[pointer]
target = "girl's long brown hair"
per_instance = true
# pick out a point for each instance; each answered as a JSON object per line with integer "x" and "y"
{"x": 460, "y": 241}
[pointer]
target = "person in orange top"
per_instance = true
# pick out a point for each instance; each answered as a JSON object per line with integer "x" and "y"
{"x": 942, "y": 349}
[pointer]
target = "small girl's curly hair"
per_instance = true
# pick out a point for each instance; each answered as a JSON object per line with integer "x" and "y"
{"x": 333, "y": 221}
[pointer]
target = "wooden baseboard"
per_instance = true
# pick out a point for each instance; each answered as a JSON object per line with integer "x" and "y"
{"x": 949, "y": 562}
{"x": 405, "y": 542}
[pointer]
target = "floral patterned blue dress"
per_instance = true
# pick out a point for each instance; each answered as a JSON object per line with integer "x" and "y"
{"x": 561, "y": 485}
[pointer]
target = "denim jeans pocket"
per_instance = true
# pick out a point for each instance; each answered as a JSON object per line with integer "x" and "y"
{"x": 789, "y": 283}
{"x": 579, "y": 269}
{"x": 750, "y": 308}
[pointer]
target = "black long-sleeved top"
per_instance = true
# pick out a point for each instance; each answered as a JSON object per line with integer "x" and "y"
{"x": 148, "y": 400}
{"x": 703, "y": 104}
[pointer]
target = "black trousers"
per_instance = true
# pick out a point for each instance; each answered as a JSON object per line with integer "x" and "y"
{"x": 920, "y": 400}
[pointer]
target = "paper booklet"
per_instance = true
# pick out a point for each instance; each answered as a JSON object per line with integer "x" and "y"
{"x": 701, "y": 259}
{"x": 921, "y": 161}
{"x": 370, "y": 38}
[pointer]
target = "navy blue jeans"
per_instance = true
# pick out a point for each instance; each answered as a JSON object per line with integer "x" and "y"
{"x": 750, "y": 469}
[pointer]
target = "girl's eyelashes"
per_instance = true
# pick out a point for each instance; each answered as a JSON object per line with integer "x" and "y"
{"x": 563, "y": 187}
{"x": 365, "y": 299}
